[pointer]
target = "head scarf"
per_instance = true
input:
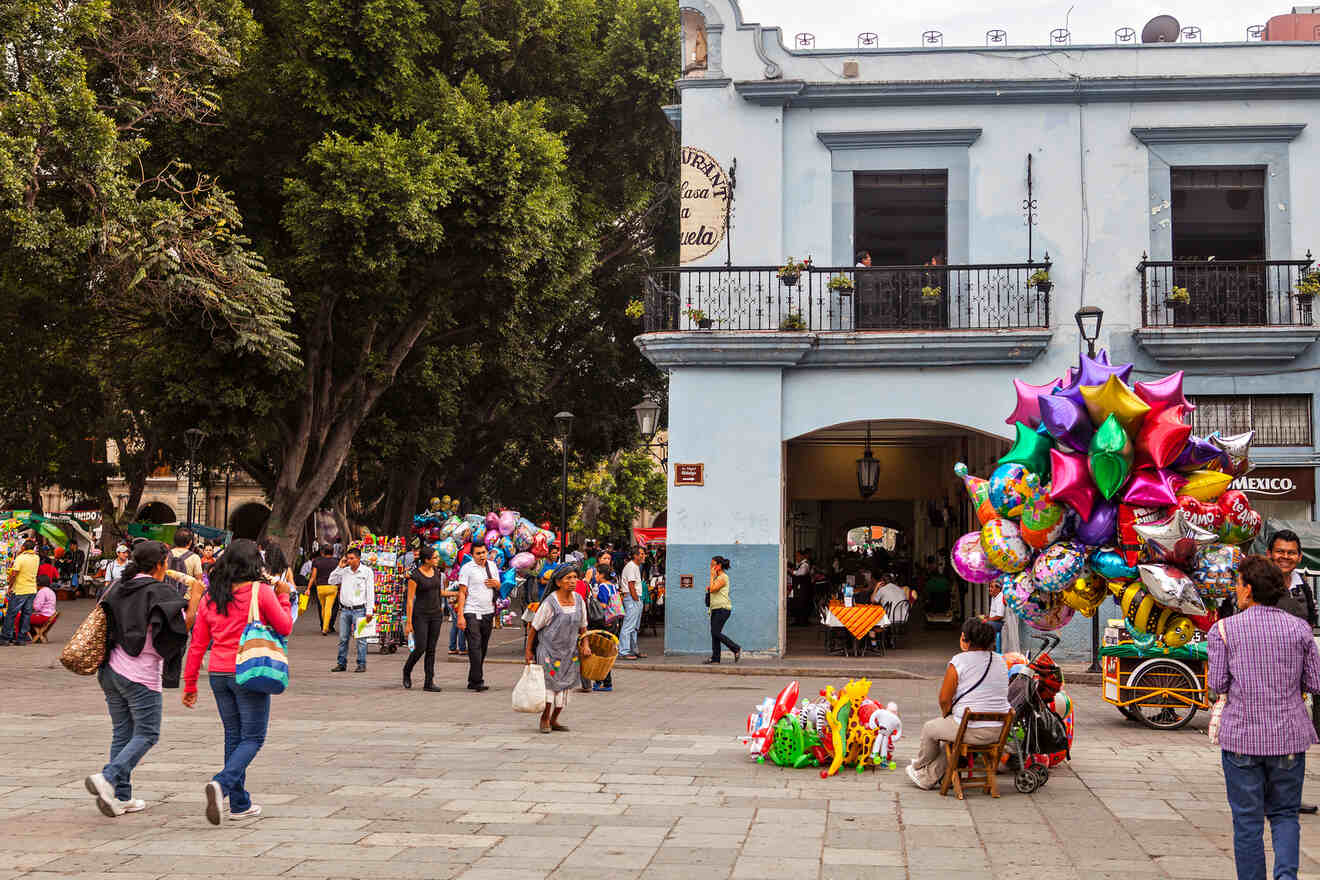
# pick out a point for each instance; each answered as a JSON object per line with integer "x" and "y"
{"x": 560, "y": 571}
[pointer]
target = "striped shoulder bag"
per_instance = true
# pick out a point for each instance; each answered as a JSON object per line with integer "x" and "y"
{"x": 262, "y": 664}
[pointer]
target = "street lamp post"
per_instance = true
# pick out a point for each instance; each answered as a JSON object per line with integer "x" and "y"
{"x": 563, "y": 425}
{"x": 1089, "y": 319}
{"x": 193, "y": 437}
{"x": 648, "y": 425}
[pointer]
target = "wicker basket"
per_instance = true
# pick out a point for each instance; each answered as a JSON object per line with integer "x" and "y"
{"x": 604, "y": 649}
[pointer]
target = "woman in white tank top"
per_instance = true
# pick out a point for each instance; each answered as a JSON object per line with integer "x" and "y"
{"x": 976, "y": 680}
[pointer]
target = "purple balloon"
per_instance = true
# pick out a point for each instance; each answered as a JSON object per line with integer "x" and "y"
{"x": 523, "y": 562}
{"x": 1067, "y": 421}
{"x": 970, "y": 560}
{"x": 1102, "y": 527}
{"x": 506, "y": 522}
{"x": 1195, "y": 455}
{"x": 1094, "y": 372}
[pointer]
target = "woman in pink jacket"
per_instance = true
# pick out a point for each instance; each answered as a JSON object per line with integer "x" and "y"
{"x": 220, "y": 621}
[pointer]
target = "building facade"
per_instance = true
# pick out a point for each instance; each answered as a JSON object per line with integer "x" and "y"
{"x": 1128, "y": 173}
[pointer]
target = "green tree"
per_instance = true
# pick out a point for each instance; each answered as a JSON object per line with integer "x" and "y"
{"x": 615, "y": 493}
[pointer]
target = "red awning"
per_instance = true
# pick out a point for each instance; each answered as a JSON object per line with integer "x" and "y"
{"x": 650, "y": 536}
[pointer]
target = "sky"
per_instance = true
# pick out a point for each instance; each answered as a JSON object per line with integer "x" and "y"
{"x": 836, "y": 23}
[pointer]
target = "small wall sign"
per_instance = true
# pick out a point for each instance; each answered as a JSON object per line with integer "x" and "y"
{"x": 685, "y": 581}
{"x": 690, "y": 474}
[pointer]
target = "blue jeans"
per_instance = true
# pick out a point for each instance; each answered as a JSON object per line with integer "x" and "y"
{"x": 457, "y": 638}
{"x": 18, "y": 617}
{"x": 632, "y": 621}
{"x": 135, "y": 712}
{"x": 1260, "y": 787}
{"x": 245, "y": 715}
{"x": 348, "y": 618}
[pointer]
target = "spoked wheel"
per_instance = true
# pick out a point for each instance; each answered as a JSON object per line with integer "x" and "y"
{"x": 1026, "y": 781}
{"x": 1164, "y": 712}
{"x": 1042, "y": 774}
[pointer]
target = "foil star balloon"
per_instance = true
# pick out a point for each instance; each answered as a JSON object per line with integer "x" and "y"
{"x": 1116, "y": 398}
{"x": 1198, "y": 453}
{"x": 1072, "y": 482}
{"x": 1170, "y": 586}
{"x": 1205, "y": 485}
{"x": 1027, "y": 410}
{"x": 1031, "y": 450}
{"x": 1161, "y": 438}
{"x": 1174, "y": 540}
{"x": 1094, "y": 372}
{"x": 1067, "y": 421}
{"x": 1110, "y": 457}
{"x": 1152, "y": 488}
{"x": 1164, "y": 393}
{"x": 1234, "y": 458}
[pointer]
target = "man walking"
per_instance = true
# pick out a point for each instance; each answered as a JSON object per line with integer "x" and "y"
{"x": 357, "y": 601}
{"x": 630, "y": 588}
{"x": 23, "y": 591}
{"x": 327, "y": 594}
{"x": 478, "y": 581}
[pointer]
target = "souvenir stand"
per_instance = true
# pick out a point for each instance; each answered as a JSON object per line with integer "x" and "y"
{"x": 11, "y": 541}
{"x": 384, "y": 556}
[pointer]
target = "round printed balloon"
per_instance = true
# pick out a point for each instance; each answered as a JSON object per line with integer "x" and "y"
{"x": 507, "y": 522}
{"x": 970, "y": 560}
{"x": 463, "y": 532}
{"x": 1059, "y": 566}
{"x": 493, "y": 521}
{"x": 1046, "y": 611}
{"x": 491, "y": 538}
{"x": 1042, "y": 521}
{"x": 1086, "y": 594}
{"x": 1011, "y": 487}
{"x": 1004, "y": 545}
{"x": 447, "y": 550}
{"x": 1215, "y": 574}
{"x": 523, "y": 562}
{"x": 522, "y": 537}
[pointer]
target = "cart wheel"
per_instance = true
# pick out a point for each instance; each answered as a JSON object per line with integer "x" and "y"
{"x": 1164, "y": 713}
{"x": 1025, "y": 781}
{"x": 1042, "y": 774}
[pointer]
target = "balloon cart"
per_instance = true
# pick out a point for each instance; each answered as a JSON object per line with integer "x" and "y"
{"x": 1162, "y": 689}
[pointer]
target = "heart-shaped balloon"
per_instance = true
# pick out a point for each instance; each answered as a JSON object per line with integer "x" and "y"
{"x": 1241, "y": 524}
{"x": 1202, "y": 514}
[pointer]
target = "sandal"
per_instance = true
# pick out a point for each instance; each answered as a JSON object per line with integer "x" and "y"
{"x": 555, "y": 725}
{"x": 545, "y": 728}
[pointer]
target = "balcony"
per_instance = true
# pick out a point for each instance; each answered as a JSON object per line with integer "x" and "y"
{"x": 911, "y": 315}
{"x": 1226, "y": 311}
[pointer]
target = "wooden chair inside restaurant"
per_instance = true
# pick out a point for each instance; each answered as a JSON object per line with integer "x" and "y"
{"x": 973, "y": 776}
{"x": 39, "y": 632}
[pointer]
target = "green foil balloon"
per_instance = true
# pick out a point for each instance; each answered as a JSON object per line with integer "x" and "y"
{"x": 1111, "y": 456}
{"x": 1031, "y": 450}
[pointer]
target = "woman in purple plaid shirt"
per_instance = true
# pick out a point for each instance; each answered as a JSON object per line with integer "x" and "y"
{"x": 1263, "y": 659}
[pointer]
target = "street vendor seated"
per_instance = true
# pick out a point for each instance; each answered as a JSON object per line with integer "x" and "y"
{"x": 976, "y": 680}
{"x": 43, "y": 605}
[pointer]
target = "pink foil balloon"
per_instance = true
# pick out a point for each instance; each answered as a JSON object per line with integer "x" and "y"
{"x": 1072, "y": 482}
{"x": 970, "y": 560}
{"x": 1151, "y": 488}
{"x": 508, "y": 521}
{"x": 1027, "y": 410}
{"x": 492, "y": 522}
{"x": 1164, "y": 393}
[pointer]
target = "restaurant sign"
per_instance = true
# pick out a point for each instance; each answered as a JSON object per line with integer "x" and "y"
{"x": 703, "y": 205}
{"x": 1278, "y": 483}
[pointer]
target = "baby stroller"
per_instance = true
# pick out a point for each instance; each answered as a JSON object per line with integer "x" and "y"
{"x": 1041, "y": 737}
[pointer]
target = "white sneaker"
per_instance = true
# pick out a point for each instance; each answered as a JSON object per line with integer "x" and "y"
{"x": 100, "y": 788}
{"x": 912, "y": 774}
{"x": 133, "y": 805}
{"x": 252, "y": 812}
{"x": 214, "y": 802}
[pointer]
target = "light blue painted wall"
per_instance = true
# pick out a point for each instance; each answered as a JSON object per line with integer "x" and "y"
{"x": 753, "y": 589}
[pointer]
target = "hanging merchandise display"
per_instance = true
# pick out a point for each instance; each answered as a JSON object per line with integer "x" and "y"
{"x": 384, "y": 556}
{"x": 1106, "y": 491}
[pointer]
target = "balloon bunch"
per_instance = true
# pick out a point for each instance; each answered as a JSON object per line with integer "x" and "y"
{"x": 514, "y": 543}
{"x": 1106, "y": 491}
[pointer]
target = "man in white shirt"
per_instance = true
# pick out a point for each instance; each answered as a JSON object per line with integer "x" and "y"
{"x": 357, "y": 601}
{"x": 889, "y": 593}
{"x": 478, "y": 583}
{"x": 631, "y": 587}
{"x": 996, "y": 616}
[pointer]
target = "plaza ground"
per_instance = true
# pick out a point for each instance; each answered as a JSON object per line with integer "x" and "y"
{"x": 360, "y": 778}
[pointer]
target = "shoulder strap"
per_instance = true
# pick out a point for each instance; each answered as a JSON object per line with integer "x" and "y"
{"x": 254, "y": 611}
{"x": 978, "y": 681}
{"x": 1223, "y": 634}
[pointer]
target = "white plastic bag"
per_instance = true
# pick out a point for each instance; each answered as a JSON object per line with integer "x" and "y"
{"x": 529, "y": 692}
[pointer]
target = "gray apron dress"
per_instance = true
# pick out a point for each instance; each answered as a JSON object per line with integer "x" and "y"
{"x": 557, "y": 646}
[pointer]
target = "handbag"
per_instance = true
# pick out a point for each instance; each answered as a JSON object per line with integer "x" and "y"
{"x": 1217, "y": 712}
{"x": 529, "y": 692}
{"x": 595, "y": 611}
{"x": 262, "y": 663}
{"x": 84, "y": 653}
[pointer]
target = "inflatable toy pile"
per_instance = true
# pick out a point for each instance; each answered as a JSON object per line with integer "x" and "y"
{"x": 840, "y": 728}
{"x": 1106, "y": 491}
{"x": 516, "y": 545}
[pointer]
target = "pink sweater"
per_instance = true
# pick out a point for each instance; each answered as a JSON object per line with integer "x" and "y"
{"x": 221, "y": 632}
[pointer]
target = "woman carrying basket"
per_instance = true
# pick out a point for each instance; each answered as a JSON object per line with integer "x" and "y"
{"x": 556, "y": 641}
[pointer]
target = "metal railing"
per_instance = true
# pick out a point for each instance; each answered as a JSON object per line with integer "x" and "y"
{"x": 1225, "y": 293}
{"x": 998, "y": 296}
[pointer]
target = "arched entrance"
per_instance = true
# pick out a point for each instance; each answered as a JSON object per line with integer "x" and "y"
{"x": 906, "y": 527}
{"x": 247, "y": 520}
{"x": 157, "y": 512}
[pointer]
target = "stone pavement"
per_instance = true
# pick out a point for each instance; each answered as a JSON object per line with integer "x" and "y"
{"x": 360, "y": 778}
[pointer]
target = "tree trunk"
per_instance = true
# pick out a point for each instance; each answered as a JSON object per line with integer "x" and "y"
{"x": 408, "y": 500}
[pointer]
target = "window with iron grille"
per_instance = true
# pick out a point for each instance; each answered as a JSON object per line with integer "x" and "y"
{"x": 1277, "y": 419}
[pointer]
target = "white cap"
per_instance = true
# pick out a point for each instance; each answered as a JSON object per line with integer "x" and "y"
{"x": 122, "y": 548}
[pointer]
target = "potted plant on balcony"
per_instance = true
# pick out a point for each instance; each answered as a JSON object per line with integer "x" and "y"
{"x": 841, "y": 284}
{"x": 1178, "y": 297}
{"x": 930, "y": 296}
{"x": 1040, "y": 279}
{"x": 698, "y": 317}
{"x": 1307, "y": 287}
{"x": 791, "y": 271}
{"x": 793, "y": 321}
{"x": 634, "y": 309}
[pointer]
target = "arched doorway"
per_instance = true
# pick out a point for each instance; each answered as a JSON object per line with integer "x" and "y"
{"x": 247, "y": 520}
{"x": 157, "y": 512}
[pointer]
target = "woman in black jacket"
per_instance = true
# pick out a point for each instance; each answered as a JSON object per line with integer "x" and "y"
{"x": 145, "y": 639}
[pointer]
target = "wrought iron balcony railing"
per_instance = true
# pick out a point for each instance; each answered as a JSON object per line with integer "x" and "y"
{"x": 1001, "y": 296}
{"x": 1227, "y": 293}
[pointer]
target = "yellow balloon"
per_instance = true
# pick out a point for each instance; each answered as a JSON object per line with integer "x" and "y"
{"x": 1205, "y": 485}
{"x": 1115, "y": 397}
{"x": 1086, "y": 594}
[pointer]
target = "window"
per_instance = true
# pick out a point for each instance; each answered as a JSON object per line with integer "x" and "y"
{"x": 901, "y": 217}
{"x": 1218, "y": 213}
{"x": 1278, "y": 420}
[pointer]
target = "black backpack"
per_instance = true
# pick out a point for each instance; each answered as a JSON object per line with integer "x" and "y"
{"x": 180, "y": 563}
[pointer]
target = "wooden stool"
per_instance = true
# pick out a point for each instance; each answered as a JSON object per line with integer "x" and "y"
{"x": 39, "y": 632}
{"x": 989, "y": 755}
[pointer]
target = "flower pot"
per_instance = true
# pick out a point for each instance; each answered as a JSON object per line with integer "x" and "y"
{"x": 1175, "y": 303}
{"x": 1044, "y": 286}
{"x": 704, "y": 324}
{"x": 789, "y": 279}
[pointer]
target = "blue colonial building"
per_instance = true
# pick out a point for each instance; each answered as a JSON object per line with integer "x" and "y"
{"x": 1122, "y": 171}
